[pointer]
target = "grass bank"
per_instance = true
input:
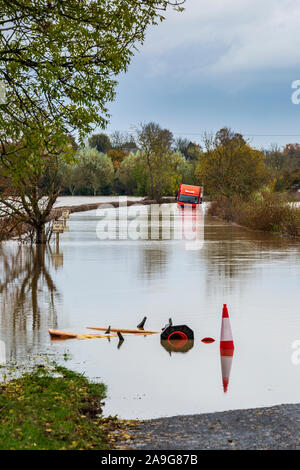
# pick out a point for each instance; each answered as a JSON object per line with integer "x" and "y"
{"x": 54, "y": 408}
{"x": 269, "y": 212}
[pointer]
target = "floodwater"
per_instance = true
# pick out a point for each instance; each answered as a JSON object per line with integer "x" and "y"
{"x": 117, "y": 280}
{"x": 77, "y": 200}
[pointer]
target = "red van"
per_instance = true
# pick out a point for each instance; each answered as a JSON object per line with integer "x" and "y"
{"x": 189, "y": 195}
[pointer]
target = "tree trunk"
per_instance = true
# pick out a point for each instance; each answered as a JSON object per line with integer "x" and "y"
{"x": 151, "y": 183}
{"x": 40, "y": 235}
{"x": 151, "y": 189}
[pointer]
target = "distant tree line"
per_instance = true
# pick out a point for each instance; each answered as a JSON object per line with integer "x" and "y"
{"x": 151, "y": 162}
{"x": 148, "y": 163}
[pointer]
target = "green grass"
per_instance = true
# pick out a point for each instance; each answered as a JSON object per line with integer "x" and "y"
{"x": 53, "y": 409}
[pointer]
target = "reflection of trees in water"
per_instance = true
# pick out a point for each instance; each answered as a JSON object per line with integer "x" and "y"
{"x": 169, "y": 223}
{"x": 231, "y": 251}
{"x": 27, "y": 296}
{"x": 154, "y": 261}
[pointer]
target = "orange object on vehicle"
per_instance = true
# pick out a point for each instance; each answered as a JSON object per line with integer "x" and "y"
{"x": 189, "y": 195}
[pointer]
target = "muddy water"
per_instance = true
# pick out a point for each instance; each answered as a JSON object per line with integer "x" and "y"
{"x": 117, "y": 281}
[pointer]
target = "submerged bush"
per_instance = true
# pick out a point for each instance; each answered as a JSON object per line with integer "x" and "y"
{"x": 268, "y": 212}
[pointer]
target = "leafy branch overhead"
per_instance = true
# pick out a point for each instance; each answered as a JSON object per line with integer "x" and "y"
{"x": 59, "y": 59}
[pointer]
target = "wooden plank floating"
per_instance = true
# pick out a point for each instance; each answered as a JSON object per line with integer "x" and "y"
{"x": 125, "y": 330}
{"x": 58, "y": 334}
{"x": 62, "y": 335}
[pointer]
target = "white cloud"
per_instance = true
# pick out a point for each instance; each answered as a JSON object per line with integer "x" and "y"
{"x": 225, "y": 36}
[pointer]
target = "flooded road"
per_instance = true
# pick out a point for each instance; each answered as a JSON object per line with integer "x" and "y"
{"x": 117, "y": 281}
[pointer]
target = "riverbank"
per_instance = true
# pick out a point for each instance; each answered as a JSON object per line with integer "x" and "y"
{"x": 54, "y": 408}
{"x": 56, "y": 213}
{"x": 276, "y": 427}
{"x": 268, "y": 212}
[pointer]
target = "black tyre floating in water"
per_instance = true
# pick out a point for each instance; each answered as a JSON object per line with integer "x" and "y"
{"x": 177, "y": 338}
{"x": 177, "y": 332}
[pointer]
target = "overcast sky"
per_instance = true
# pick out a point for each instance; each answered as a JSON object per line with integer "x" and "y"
{"x": 220, "y": 63}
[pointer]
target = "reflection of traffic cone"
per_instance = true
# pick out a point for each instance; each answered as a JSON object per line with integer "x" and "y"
{"x": 226, "y": 362}
{"x": 226, "y": 341}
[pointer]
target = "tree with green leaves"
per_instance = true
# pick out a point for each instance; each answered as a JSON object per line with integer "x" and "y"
{"x": 71, "y": 177}
{"x": 181, "y": 145}
{"x": 193, "y": 151}
{"x": 155, "y": 145}
{"x": 133, "y": 176}
{"x": 60, "y": 58}
{"x": 101, "y": 142}
{"x": 230, "y": 167}
{"x": 93, "y": 172}
{"x": 182, "y": 171}
{"x": 190, "y": 150}
{"x": 29, "y": 186}
{"x": 96, "y": 171}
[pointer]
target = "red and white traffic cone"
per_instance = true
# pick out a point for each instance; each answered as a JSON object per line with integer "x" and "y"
{"x": 226, "y": 347}
{"x": 226, "y": 341}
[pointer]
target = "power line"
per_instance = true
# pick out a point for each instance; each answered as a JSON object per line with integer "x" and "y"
{"x": 246, "y": 135}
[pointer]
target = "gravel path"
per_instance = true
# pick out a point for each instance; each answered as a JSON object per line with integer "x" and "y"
{"x": 277, "y": 427}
